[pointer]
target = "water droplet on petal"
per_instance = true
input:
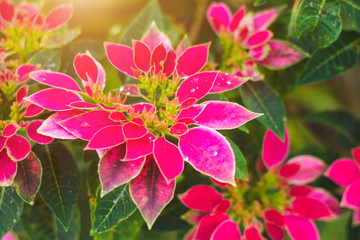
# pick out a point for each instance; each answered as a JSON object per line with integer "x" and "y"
{"x": 186, "y": 158}
{"x": 228, "y": 82}
{"x": 192, "y": 90}
{"x": 216, "y": 153}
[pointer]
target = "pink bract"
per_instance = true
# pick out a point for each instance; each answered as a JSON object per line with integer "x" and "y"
{"x": 210, "y": 153}
{"x": 201, "y": 198}
{"x": 274, "y": 150}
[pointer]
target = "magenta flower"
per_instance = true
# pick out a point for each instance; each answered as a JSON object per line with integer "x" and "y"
{"x": 14, "y": 147}
{"x": 346, "y": 173}
{"x": 27, "y": 15}
{"x": 210, "y": 218}
{"x": 250, "y": 38}
{"x": 134, "y": 139}
{"x": 271, "y": 204}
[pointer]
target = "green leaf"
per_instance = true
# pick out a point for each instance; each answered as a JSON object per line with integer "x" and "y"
{"x": 260, "y": 98}
{"x": 28, "y": 178}
{"x": 142, "y": 22}
{"x": 319, "y": 18}
{"x": 58, "y": 38}
{"x": 74, "y": 229}
{"x": 351, "y": 10}
{"x": 343, "y": 122}
{"x": 11, "y": 206}
{"x": 130, "y": 228}
{"x": 258, "y": 3}
{"x": 241, "y": 165}
{"x": 331, "y": 61}
{"x": 112, "y": 208}
{"x": 61, "y": 180}
{"x": 39, "y": 222}
{"x": 49, "y": 59}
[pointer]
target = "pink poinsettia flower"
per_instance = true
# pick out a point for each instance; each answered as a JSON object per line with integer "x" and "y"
{"x": 346, "y": 173}
{"x": 13, "y": 146}
{"x": 273, "y": 204}
{"x": 208, "y": 215}
{"x": 254, "y": 41}
{"x": 134, "y": 139}
{"x": 28, "y": 15}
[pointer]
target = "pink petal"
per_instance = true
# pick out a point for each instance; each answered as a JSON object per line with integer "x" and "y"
{"x": 18, "y": 147}
{"x": 130, "y": 90}
{"x": 50, "y": 127}
{"x": 356, "y": 154}
{"x": 263, "y": 19}
{"x": 259, "y": 38}
{"x": 188, "y": 103}
{"x": 21, "y": 93}
{"x": 186, "y": 66}
{"x": 32, "y": 110}
{"x": 330, "y": 201}
{"x": 337, "y": 169}
{"x": 83, "y": 105}
{"x": 179, "y": 129}
{"x": 260, "y": 53}
{"x": 121, "y": 57}
{"x": 274, "y": 231}
{"x": 23, "y": 72}
{"x": 281, "y": 55}
{"x": 300, "y": 228}
{"x": 141, "y": 107}
{"x": 133, "y": 130}
{"x": 208, "y": 224}
{"x": 10, "y": 130}
{"x": 138, "y": 121}
{"x": 219, "y": 17}
{"x": 87, "y": 67}
{"x": 222, "y": 207}
{"x": 2, "y": 142}
{"x": 300, "y": 191}
{"x": 7, "y": 10}
{"x": 274, "y": 216}
{"x": 191, "y": 112}
{"x": 154, "y": 37}
{"x": 274, "y": 151}
{"x": 53, "y": 99}
{"x": 239, "y": 15}
{"x": 150, "y": 191}
{"x": 170, "y": 62}
{"x": 34, "y": 135}
{"x": 58, "y": 17}
{"x": 10, "y": 235}
{"x": 187, "y": 121}
{"x": 114, "y": 172}
{"x": 289, "y": 169}
{"x": 196, "y": 86}
{"x": 26, "y": 11}
{"x": 142, "y": 56}
{"x": 310, "y": 168}
{"x": 226, "y": 230}
{"x": 201, "y": 198}
{"x": 55, "y": 79}
{"x": 85, "y": 125}
{"x": 226, "y": 82}
{"x": 168, "y": 159}
{"x": 351, "y": 197}
{"x": 210, "y": 153}
{"x": 117, "y": 116}
{"x": 224, "y": 115}
{"x": 107, "y": 137}
{"x": 136, "y": 148}
{"x": 8, "y": 169}
{"x": 310, "y": 208}
{"x": 252, "y": 233}
{"x": 157, "y": 59}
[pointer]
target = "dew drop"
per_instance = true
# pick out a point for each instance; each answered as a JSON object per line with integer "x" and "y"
{"x": 215, "y": 153}
{"x": 228, "y": 82}
{"x": 186, "y": 158}
{"x": 192, "y": 90}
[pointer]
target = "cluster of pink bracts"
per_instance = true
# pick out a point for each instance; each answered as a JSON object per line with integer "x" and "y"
{"x": 132, "y": 141}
